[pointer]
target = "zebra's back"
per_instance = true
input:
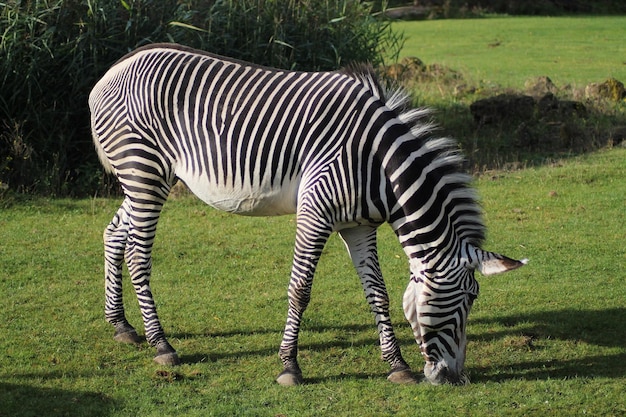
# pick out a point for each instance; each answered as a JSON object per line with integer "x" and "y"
{"x": 241, "y": 137}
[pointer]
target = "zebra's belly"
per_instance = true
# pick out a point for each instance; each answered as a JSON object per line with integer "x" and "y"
{"x": 247, "y": 201}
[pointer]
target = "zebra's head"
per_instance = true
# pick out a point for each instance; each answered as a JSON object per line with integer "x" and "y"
{"x": 437, "y": 302}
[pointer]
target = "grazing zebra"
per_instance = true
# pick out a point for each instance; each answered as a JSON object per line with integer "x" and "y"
{"x": 331, "y": 147}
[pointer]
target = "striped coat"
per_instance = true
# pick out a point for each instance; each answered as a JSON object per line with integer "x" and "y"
{"x": 334, "y": 148}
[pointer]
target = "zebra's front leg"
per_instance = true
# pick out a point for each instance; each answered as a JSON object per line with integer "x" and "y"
{"x": 115, "y": 237}
{"x": 299, "y": 296}
{"x": 361, "y": 245}
{"x": 139, "y": 261}
{"x": 310, "y": 241}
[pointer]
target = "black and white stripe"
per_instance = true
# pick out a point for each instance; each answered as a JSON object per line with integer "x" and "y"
{"x": 332, "y": 147}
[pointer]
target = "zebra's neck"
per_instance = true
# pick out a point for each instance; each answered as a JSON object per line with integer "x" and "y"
{"x": 427, "y": 197}
{"x": 434, "y": 207}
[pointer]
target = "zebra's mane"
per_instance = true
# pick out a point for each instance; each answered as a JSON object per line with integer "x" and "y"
{"x": 395, "y": 98}
{"x": 448, "y": 158}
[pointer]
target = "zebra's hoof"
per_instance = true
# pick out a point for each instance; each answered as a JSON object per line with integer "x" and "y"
{"x": 170, "y": 359}
{"x": 130, "y": 336}
{"x": 289, "y": 378}
{"x": 404, "y": 376}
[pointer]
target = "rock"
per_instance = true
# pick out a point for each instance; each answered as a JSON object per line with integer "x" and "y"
{"x": 611, "y": 89}
{"x": 618, "y": 135}
{"x": 440, "y": 72}
{"x": 572, "y": 108}
{"x": 413, "y": 69}
{"x": 572, "y": 136}
{"x": 393, "y": 71}
{"x": 547, "y": 103}
{"x": 503, "y": 107}
{"x": 550, "y": 107}
{"x": 407, "y": 13}
{"x": 463, "y": 89}
{"x": 539, "y": 87}
{"x": 408, "y": 68}
{"x": 413, "y": 64}
{"x": 592, "y": 91}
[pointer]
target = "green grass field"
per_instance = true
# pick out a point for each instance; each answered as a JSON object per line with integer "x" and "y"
{"x": 508, "y": 51}
{"x": 546, "y": 340}
{"x": 482, "y": 58}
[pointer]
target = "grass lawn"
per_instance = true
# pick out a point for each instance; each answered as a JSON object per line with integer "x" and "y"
{"x": 496, "y": 55}
{"x": 508, "y": 51}
{"x": 548, "y": 339}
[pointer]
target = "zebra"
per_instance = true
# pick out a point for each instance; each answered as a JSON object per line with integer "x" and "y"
{"x": 338, "y": 149}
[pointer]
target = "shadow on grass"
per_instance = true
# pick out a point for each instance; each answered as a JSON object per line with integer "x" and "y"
{"x": 25, "y": 400}
{"x": 340, "y": 339}
{"x": 600, "y": 366}
{"x": 359, "y": 336}
{"x": 592, "y": 327}
{"x": 595, "y": 327}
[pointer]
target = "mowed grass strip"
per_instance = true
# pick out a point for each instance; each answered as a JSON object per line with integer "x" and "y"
{"x": 509, "y": 51}
{"x": 545, "y": 340}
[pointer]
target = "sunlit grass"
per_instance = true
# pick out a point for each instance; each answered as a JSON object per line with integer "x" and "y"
{"x": 509, "y": 51}
{"x": 483, "y": 58}
{"x": 545, "y": 340}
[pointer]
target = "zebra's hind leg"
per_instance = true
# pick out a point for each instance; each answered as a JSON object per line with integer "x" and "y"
{"x": 361, "y": 245}
{"x": 144, "y": 216}
{"x": 311, "y": 236}
{"x": 115, "y": 237}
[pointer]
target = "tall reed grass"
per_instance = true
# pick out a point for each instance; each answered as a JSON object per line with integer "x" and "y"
{"x": 53, "y": 51}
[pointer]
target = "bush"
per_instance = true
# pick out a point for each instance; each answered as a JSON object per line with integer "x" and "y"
{"x": 473, "y": 8}
{"x": 53, "y": 52}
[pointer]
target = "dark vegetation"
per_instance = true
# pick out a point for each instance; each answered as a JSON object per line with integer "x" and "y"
{"x": 53, "y": 52}
{"x": 472, "y": 8}
{"x": 501, "y": 128}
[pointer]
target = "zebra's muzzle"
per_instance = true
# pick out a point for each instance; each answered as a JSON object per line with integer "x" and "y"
{"x": 439, "y": 373}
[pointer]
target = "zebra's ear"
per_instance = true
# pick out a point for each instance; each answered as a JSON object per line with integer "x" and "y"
{"x": 490, "y": 263}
